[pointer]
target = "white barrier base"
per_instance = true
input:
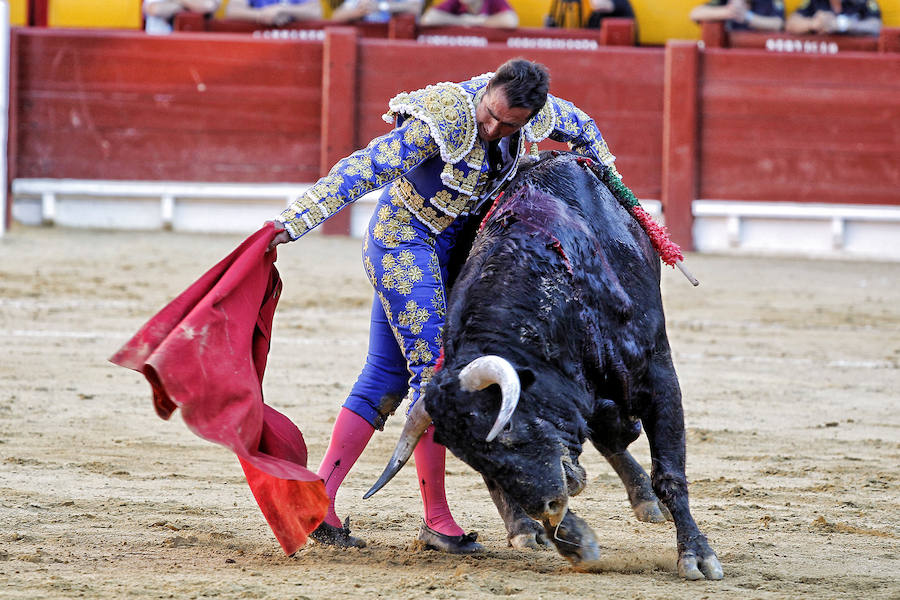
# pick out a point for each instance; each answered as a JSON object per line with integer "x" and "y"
{"x": 840, "y": 231}
{"x": 836, "y": 230}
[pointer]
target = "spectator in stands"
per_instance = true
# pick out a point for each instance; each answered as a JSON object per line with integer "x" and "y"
{"x": 477, "y": 13}
{"x": 274, "y": 12}
{"x": 567, "y": 13}
{"x": 159, "y": 14}
{"x": 374, "y": 11}
{"x": 762, "y": 15}
{"x": 854, "y": 17}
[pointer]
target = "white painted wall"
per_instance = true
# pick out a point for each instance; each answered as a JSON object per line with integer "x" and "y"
{"x": 839, "y": 231}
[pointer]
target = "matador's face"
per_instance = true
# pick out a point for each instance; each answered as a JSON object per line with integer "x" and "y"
{"x": 495, "y": 117}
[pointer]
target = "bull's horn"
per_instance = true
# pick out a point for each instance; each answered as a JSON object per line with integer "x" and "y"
{"x": 486, "y": 370}
{"x": 417, "y": 422}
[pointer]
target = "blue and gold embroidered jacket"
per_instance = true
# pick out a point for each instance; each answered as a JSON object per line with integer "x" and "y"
{"x": 434, "y": 157}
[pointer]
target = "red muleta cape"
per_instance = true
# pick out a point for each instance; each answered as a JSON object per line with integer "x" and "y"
{"x": 205, "y": 353}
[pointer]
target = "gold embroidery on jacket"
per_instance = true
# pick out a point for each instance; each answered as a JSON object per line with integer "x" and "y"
{"x": 462, "y": 182}
{"x": 454, "y": 178}
{"x": 542, "y": 124}
{"x": 417, "y": 134}
{"x": 382, "y": 161}
{"x": 434, "y": 220}
{"x": 449, "y": 112}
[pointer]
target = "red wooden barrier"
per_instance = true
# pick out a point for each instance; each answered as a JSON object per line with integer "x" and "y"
{"x": 617, "y": 32}
{"x": 684, "y": 123}
{"x": 196, "y": 22}
{"x": 800, "y": 128}
{"x": 614, "y": 32}
{"x": 889, "y": 40}
{"x": 715, "y": 35}
{"x": 339, "y": 109}
{"x": 124, "y": 105}
{"x": 679, "y": 143}
{"x": 37, "y": 13}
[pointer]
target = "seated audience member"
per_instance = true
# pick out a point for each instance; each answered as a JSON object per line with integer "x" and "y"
{"x": 854, "y": 17}
{"x": 762, "y": 15}
{"x": 274, "y": 12}
{"x": 567, "y": 13}
{"x": 480, "y": 13}
{"x": 374, "y": 11}
{"x": 159, "y": 14}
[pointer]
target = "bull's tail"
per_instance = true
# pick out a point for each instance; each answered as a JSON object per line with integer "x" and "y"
{"x": 669, "y": 252}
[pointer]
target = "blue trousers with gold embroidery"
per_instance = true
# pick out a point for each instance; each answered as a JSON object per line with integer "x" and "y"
{"x": 407, "y": 265}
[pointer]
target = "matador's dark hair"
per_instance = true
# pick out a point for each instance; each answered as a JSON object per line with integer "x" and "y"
{"x": 525, "y": 83}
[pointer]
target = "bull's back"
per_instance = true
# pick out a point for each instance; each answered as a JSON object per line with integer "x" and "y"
{"x": 559, "y": 262}
{"x": 566, "y": 201}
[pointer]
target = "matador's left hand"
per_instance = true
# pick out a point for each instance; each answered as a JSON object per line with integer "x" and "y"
{"x": 282, "y": 237}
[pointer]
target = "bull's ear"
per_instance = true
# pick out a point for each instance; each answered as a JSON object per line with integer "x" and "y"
{"x": 526, "y": 377}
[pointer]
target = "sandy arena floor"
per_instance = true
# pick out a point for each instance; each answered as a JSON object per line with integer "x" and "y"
{"x": 790, "y": 371}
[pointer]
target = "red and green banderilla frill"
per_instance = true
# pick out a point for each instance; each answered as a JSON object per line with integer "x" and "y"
{"x": 669, "y": 252}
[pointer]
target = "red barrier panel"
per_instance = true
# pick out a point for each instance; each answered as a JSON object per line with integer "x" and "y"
{"x": 339, "y": 109}
{"x": 800, "y": 128}
{"x": 679, "y": 142}
{"x": 715, "y": 35}
{"x": 186, "y": 21}
{"x": 684, "y": 123}
{"x": 614, "y": 32}
{"x": 124, "y": 105}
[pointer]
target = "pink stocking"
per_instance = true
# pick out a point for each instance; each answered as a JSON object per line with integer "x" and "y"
{"x": 348, "y": 439}
{"x": 430, "y": 460}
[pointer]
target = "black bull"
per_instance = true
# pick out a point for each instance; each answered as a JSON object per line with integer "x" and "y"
{"x": 561, "y": 292}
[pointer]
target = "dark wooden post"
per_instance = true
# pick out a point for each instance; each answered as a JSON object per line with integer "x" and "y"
{"x": 889, "y": 40}
{"x": 402, "y": 27}
{"x": 38, "y": 13}
{"x": 713, "y": 34}
{"x": 617, "y": 32}
{"x": 680, "y": 152}
{"x": 338, "y": 110}
{"x": 190, "y": 21}
{"x": 12, "y": 129}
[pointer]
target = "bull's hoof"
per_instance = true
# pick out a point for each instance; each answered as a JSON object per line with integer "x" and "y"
{"x": 527, "y": 533}
{"x": 652, "y": 511}
{"x": 707, "y": 567}
{"x": 535, "y": 540}
{"x": 574, "y": 539}
{"x": 698, "y": 561}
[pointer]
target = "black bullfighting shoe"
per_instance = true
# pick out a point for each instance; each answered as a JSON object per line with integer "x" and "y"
{"x": 452, "y": 544}
{"x": 337, "y": 536}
